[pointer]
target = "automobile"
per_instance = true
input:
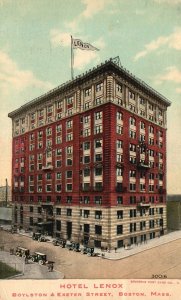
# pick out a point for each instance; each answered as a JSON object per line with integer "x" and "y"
{"x": 68, "y": 245}
{"x": 22, "y": 252}
{"x": 37, "y": 236}
{"x": 59, "y": 242}
{"x": 88, "y": 250}
{"x": 39, "y": 257}
{"x": 75, "y": 247}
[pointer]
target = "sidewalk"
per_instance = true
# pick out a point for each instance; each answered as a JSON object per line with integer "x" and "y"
{"x": 134, "y": 249}
{"x": 30, "y": 270}
{"x": 123, "y": 253}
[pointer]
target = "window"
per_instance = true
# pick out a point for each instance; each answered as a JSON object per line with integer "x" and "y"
{"x": 132, "y": 173}
{"x": 58, "y": 199}
{"x": 86, "y": 172}
{"x": 119, "y": 116}
{"x": 119, "y": 88}
{"x": 58, "y": 175}
{"x": 119, "y": 229}
{"x": 132, "y": 213}
{"x": 119, "y": 172}
{"x": 98, "y": 214}
{"x": 87, "y": 92}
{"x": 69, "y": 100}
{"x": 40, "y": 177}
{"x": 142, "y": 101}
{"x": 98, "y": 171}
{"x": 86, "y": 199}
{"x": 58, "y": 128}
{"x": 132, "y": 187}
{"x": 132, "y": 121}
{"x": 69, "y": 149}
{"x": 69, "y": 123}
{"x": 132, "y": 147}
{"x": 119, "y": 129}
{"x": 49, "y": 131}
{"x": 69, "y": 212}
{"x": 151, "y": 129}
{"x": 119, "y": 158}
{"x": 86, "y": 213}
{"x": 48, "y": 176}
{"x": 131, "y": 95}
{"x": 98, "y": 143}
{"x": 86, "y": 145}
{"x": 98, "y": 199}
{"x": 58, "y": 140}
{"x": 69, "y": 199}
{"x": 98, "y": 229}
{"x": 58, "y": 187}
{"x": 59, "y": 104}
{"x": 120, "y": 214}
{"x": 69, "y": 187}
{"x": 142, "y": 125}
{"x": 132, "y": 227}
{"x": 87, "y": 132}
{"x": 33, "y": 116}
{"x": 98, "y": 129}
{"x": 86, "y": 159}
{"x": 132, "y": 199}
{"x": 119, "y": 144}
{"x": 58, "y": 152}
{"x": 98, "y": 157}
{"x": 99, "y": 100}
{"x": 119, "y": 200}
{"x": 99, "y": 87}
{"x": 58, "y": 163}
{"x": 31, "y": 208}
{"x": 98, "y": 115}
{"x": 132, "y": 159}
{"x": 48, "y": 188}
{"x": 151, "y": 176}
{"x": 69, "y": 161}
{"x": 69, "y": 136}
{"x": 132, "y": 134}
{"x": 87, "y": 119}
{"x": 69, "y": 174}
{"x": 50, "y": 109}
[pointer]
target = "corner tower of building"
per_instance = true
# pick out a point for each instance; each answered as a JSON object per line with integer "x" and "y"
{"x": 89, "y": 160}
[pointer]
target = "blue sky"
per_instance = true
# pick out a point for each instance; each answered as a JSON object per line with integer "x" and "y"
{"x": 35, "y": 55}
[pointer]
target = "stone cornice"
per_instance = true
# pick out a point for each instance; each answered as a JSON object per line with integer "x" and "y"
{"x": 109, "y": 68}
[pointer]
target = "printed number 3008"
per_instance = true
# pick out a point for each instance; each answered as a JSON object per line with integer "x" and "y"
{"x": 159, "y": 276}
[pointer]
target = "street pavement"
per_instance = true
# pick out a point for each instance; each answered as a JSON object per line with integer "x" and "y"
{"x": 134, "y": 249}
{"x": 30, "y": 270}
{"x": 121, "y": 253}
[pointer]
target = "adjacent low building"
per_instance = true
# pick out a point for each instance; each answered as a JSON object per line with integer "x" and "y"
{"x": 89, "y": 160}
{"x": 174, "y": 212}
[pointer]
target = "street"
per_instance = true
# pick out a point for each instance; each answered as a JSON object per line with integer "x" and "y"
{"x": 163, "y": 261}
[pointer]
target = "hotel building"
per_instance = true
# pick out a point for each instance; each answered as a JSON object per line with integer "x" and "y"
{"x": 89, "y": 160}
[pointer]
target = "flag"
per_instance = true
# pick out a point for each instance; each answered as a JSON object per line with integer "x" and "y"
{"x": 76, "y": 43}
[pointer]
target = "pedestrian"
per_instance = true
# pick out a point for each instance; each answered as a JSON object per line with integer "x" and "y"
{"x": 26, "y": 260}
{"x": 51, "y": 267}
{"x": 115, "y": 249}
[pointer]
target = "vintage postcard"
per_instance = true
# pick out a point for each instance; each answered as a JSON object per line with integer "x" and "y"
{"x": 90, "y": 149}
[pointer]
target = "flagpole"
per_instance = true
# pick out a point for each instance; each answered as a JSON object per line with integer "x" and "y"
{"x": 72, "y": 60}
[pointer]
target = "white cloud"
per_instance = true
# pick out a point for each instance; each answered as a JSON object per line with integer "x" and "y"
{"x": 171, "y": 2}
{"x": 12, "y": 78}
{"x": 93, "y": 7}
{"x": 171, "y": 74}
{"x": 60, "y": 39}
{"x": 172, "y": 41}
{"x": 83, "y": 58}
